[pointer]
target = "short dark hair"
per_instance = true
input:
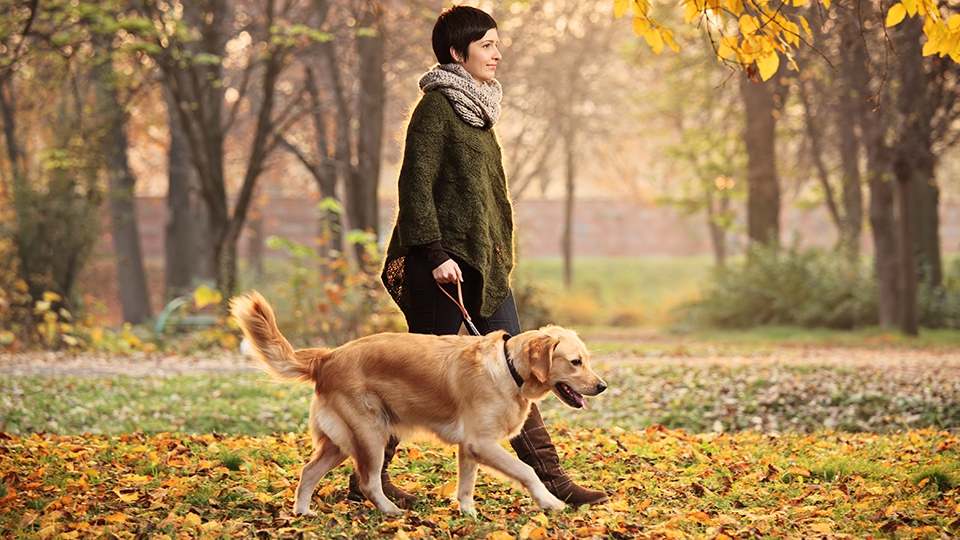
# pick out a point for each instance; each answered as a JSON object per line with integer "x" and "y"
{"x": 458, "y": 27}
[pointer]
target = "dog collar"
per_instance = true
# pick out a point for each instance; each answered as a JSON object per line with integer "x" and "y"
{"x": 513, "y": 369}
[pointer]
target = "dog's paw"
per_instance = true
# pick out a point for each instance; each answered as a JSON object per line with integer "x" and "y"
{"x": 305, "y": 513}
{"x": 468, "y": 510}
{"x": 246, "y": 347}
{"x": 552, "y": 504}
{"x": 395, "y": 511}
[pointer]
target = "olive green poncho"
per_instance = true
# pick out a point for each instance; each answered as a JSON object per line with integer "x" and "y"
{"x": 452, "y": 188}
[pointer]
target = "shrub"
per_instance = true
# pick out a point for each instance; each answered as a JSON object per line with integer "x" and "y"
{"x": 940, "y": 307}
{"x": 577, "y": 309}
{"x": 787, "y": 286}
{"x": 40, "y": 257}
{"x": 329, "y": 300}
{"x": 533, "y": 304}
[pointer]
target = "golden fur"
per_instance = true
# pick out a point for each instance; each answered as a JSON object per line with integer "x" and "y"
{"x": 457, "y": 387}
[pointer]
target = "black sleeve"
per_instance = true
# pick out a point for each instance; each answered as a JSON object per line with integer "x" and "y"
{"x": 433, "y": 253}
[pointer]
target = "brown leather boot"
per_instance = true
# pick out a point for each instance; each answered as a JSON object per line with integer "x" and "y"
{"x": 534, "y": 448}
{"x": 402, "y": 498}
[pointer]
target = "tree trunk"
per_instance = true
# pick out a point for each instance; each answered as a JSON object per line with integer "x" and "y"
{"x": 718, "y": 235}
{"x": 763, "y": 190}
{"x": 926, "y": 198}
{"x": 255, "y": 243}
{"x": 567, "y": 240}
{"x": 200, "y": 110}
{"x": 362, "y": 191}
{"x": 325, "y": 168}
{"x": 227, "y": 275}
{"x": 912, "y": 151}
{"x": 182, "y": 236}
{"x": 8, "y": 115}
{"x": 134, "y": 297}
{"x": 874, "y": 124}
{"x": 206, "y": 262}
{"x": 852, "y": 224}
{"x": 883, "y": 227}
{"x": 909, "y": 316}
{"x": 851, "y": 54}
{"x": 814, "y": 136}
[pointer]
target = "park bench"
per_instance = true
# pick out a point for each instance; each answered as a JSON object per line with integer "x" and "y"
{"x": 177, "y": 314}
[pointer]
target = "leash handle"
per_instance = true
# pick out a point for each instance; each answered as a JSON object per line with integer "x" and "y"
{"x": 466, "y": 316}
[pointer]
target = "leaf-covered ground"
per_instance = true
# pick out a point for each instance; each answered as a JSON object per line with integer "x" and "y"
{"x": 793, "y": 442}
{"x": 664, "y": 484}
{"x": 789, "y": 389}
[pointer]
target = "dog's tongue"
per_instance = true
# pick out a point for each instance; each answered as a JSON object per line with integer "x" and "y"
{"x": 581, "y": 401}
{"x": 576, "y": 396}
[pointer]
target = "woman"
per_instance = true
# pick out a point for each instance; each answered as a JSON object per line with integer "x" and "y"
{"x": 455, "y": 219}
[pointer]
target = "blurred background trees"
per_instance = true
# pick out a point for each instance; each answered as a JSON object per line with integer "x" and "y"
{"x": 219, "y": 104}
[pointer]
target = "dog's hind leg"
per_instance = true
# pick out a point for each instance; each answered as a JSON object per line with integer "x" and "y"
{"x": 326, "y": 456}
{"x": 369, "y": 458}
{"x": 466, "y": 481}
{"x": 493, "y": 455}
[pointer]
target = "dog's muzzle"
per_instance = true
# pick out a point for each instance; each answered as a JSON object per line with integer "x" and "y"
{"x": 573, "y": 398}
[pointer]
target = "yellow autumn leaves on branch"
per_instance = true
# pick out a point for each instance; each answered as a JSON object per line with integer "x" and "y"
{"x": 756, "y": 34}
{"x": 943, "y": 37}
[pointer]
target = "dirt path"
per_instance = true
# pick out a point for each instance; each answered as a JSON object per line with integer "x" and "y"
{"x": 156, "y": 364}
{"x": 135, "y": 365}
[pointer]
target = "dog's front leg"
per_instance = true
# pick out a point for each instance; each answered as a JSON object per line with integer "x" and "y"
{"x": 493, "y": 455}
{"x": 466, "y": 480}
{"x": 326, "y": 457}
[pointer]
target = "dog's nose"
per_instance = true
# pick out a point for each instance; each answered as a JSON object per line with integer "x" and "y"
{"x": 601, "y": 387}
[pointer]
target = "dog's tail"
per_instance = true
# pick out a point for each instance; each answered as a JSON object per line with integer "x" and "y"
{"x": 259, "y": 326}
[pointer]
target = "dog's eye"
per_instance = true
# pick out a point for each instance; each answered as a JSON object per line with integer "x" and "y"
{"x": 577, "y": 362}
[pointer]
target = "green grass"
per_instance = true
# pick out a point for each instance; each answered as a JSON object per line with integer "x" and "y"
{"x": 201, "y": 403}
{"x": 648, "y": 292}
{"x": 941, "y": 477}
{"x": 617, "y": 291}
{"x": 676, "y": 392}
{"x": 761, "y": 340}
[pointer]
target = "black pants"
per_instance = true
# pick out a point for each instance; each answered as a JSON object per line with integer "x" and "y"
{"x": 431, "y": 312}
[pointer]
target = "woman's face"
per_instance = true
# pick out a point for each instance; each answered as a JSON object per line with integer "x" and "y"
{"x": 482, "y": 57}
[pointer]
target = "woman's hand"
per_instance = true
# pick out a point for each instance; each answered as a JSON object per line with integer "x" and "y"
{"x": 448, "y": 272}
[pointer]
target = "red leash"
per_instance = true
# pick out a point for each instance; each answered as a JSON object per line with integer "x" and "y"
{"x": 466, "y": 316}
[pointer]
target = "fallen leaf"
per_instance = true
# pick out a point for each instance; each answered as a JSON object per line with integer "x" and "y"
{"x": 190, "y": 521}
{"x": 119, "y": 517}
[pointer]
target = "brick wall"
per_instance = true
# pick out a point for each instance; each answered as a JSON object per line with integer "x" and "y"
{"x": 602, "y": 228}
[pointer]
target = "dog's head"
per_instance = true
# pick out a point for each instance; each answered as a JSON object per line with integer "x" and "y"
{"x": 553, "y": 359}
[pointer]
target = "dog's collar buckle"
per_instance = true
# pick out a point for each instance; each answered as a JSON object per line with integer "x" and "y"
{"x": 513, "y": 369}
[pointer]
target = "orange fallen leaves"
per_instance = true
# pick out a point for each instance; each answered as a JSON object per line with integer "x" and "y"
{"x": 663, "y": 484}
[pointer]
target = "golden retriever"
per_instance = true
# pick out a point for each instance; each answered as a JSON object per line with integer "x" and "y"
{"x": 470, "y": 391}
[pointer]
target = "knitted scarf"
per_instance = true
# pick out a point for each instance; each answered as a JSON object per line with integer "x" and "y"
{"x": 475, "y": 103}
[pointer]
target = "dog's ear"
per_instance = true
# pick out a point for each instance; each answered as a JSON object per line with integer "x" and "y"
{"x": 540, "y": 355}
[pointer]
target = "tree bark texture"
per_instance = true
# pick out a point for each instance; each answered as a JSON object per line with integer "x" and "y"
{"x": 8, "y": 114}
{"x": 227, "y": 276}
{"x": 911, "y": 154}
{"x": 718, "y": 235}
{"x": 201, "y": 109}
{"x": 362, "y": 188}
{"x": 763, "y": 190}
{"x": 255, "y": 243}
{"x": 926, "y": 198}
{"x": 909, "y": 317}
{"x": 181, "y": 236}
{"x": 134, "y": 296}
{"x": 569, "y": 148}
{"x": 874, "y": 124}
{"x": 199, "y": 106}
{"x": 851, "y": 56}
{"x": 325, "y": 168}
